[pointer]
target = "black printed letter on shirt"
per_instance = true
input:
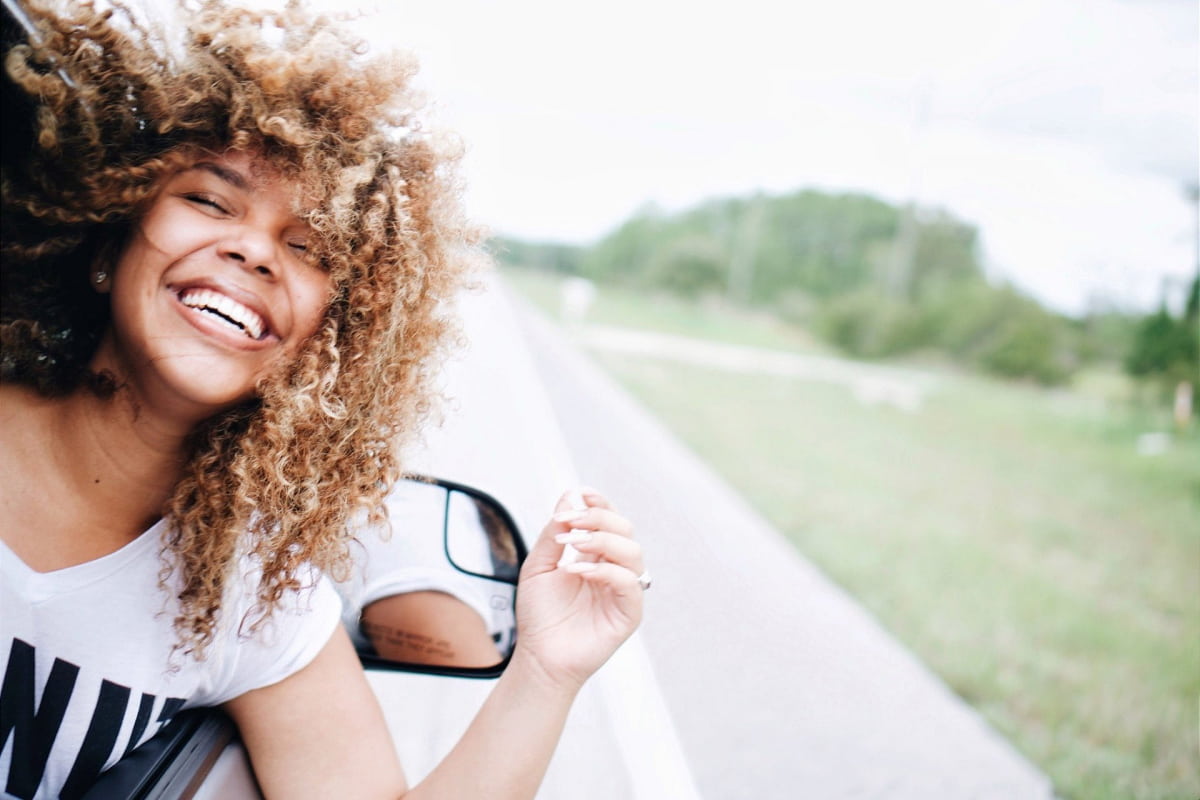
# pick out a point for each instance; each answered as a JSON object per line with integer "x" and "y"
{"x": 99, "y": 741}
{"x": 33, "y": 732}
{"x": 140, "y": 722}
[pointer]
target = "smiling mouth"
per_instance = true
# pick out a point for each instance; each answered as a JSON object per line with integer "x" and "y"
{"x": 227, "y": 310}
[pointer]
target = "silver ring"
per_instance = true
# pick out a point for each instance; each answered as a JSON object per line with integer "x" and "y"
{"x": 644, "y": 580}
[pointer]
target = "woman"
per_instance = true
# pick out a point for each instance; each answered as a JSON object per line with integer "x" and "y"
{"x": 226, "y": 272}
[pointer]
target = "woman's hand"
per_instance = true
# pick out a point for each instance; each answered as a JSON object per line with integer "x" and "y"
{"x": 570, "y": 619}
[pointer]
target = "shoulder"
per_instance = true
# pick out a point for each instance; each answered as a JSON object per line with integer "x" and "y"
{"x": 253, "y": 648}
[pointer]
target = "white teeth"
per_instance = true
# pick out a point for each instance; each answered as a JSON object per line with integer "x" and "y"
{"x": 227, "y": 310}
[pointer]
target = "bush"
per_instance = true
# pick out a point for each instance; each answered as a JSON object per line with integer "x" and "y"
{"x": 690, "y": 266}
{"x": 1165, "y": 348}
{"x": 1003, "y": 332}
{"x": 1028, "y": 345}
{"x": 869, "y": 324}
{"x": 547, "y": 256}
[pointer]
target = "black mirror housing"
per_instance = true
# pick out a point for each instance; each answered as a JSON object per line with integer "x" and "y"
{"x": 436, "y": 594}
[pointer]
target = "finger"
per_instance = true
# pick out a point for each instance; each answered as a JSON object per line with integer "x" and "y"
{"x": 545, "y": 552}
{"x": 620, "y": 580}
{"x": 580, "y": 499}
{"x": 611, "y": 547}
{"x": 569, "y": 500}
{"x": 595, "y": 513}
{"x": 594, "y": 499}
{"x": 595, "y": 519}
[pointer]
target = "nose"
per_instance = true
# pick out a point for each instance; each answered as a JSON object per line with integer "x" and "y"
{"x": 253, "y": 249}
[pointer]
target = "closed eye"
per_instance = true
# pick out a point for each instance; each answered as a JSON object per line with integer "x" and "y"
{"x": 205, "y": 200}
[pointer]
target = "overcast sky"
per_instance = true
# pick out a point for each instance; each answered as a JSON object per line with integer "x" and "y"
{"x": 1064, "y": 129}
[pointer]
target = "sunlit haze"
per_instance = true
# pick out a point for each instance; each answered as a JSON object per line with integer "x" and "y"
{"x": 1065, "y": 130}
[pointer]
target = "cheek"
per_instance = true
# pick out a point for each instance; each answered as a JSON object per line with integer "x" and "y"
{"x": 311, "y": 302}
{"x": 131, "y": 287}
{"x": 162, "y": 230}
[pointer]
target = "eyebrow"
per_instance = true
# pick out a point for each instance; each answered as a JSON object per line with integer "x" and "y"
{"x": 230, "y": 176}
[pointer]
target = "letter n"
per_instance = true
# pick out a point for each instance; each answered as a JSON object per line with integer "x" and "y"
{"x": 33, "y": 731}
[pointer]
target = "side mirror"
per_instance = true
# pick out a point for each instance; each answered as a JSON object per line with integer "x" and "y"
{"x": 434, "y": 590}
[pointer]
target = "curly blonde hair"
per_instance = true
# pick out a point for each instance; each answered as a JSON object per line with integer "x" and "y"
{"x": 118, "y": 108}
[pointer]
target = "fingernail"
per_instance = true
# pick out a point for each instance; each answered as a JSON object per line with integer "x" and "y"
{"x": 579, "y": 567}
{"x": 574, "y": 537}
{"x": 569, "y": 516}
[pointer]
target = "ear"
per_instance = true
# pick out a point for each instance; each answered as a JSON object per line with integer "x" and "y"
{"x": 103, "y": 263}
{"x": 101, "y": 280}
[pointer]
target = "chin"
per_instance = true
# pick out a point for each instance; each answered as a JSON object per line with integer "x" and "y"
{"x": 212, "y": 394}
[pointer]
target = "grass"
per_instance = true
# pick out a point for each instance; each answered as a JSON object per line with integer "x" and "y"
{"x": 1010, "y": 535}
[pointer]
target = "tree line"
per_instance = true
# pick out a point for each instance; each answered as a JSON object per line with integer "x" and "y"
{"x": 875, "y": 279}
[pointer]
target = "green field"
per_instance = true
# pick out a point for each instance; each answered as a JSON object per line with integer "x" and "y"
{"x": 1012, "y": 536}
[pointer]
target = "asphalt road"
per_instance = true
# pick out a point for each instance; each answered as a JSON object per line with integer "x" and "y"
{"x": 778, "y": 684}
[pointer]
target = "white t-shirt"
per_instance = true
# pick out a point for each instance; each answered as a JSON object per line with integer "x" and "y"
{"x": 88, "y": 669}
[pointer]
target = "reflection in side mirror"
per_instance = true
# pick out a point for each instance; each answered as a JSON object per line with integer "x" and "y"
{"x": 434, "y": 590}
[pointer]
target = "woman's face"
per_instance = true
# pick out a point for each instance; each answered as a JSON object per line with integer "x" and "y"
{"x": 213, "y": 288}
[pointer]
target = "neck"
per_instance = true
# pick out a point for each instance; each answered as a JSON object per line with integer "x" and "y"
{"x": 122, "y": 459}
{"x": 100, "y": 458}
{"x": 81, "y": 476}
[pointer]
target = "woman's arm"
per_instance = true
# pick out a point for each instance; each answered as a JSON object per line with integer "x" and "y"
{"x": 569, "y": 621}
{"x": 320, "y": 732}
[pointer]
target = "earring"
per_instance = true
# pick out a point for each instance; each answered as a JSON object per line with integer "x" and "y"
{"x": 100, "y": 277}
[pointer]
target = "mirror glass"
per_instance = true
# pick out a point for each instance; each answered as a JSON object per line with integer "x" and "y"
{"x": 434, "y": 589}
